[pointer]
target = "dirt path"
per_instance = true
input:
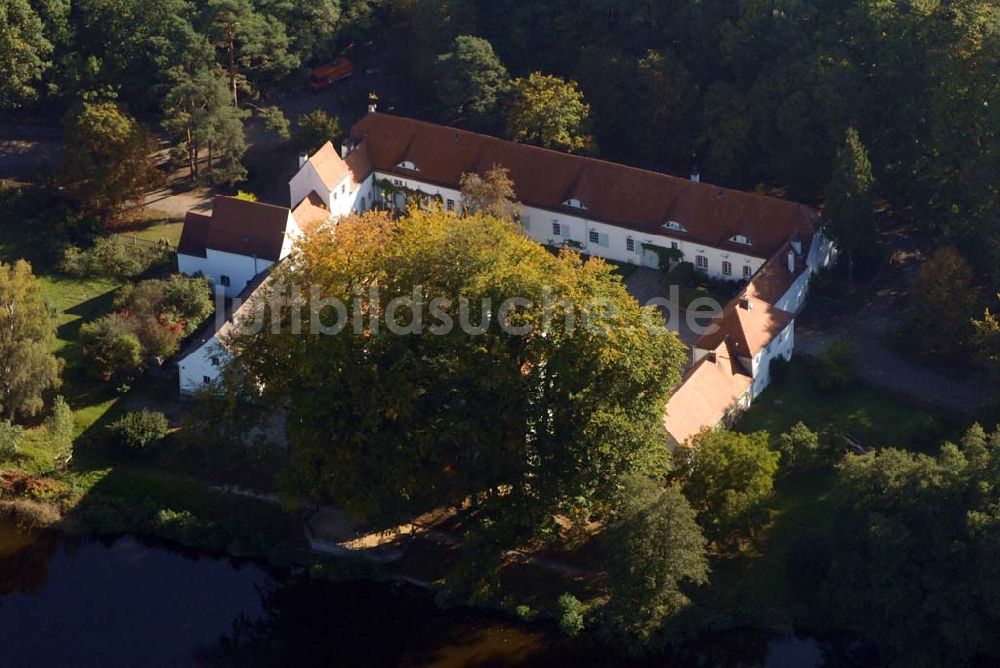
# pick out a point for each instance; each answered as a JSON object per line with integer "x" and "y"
{"x": 871, "y": 328}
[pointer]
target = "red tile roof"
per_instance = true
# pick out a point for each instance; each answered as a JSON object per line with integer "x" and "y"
{"x": 711, "y": 388}
{"x": 329, "y": 165}
{"x": 311, "y": 212}
{"x": 748, "y": 324}
{"x": 194, "y": 234}
{"x": 774, "y": 279}
{"x": 617, "y": 194}
{"x": 252, "y": 229}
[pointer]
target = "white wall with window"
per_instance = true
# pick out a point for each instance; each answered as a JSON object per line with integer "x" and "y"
{"x": 238, "y": 269}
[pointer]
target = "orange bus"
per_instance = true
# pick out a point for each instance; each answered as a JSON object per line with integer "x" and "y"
{"x": 326, "y": 75}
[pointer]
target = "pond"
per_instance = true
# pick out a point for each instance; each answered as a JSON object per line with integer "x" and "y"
{"x": 128, "y": 601}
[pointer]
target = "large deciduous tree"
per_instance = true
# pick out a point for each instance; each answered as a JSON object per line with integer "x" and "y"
{"x": 919, "y": 534}
{"x": 728, "y": 477}
{"x": 491, "y": 193}
{"x": 656, "y": 551}
{"x": 28, "y": 368}
{"x": 24, "y": 52}
{"x": 471, "y": 79}
{"x": 944, "y": 300}
{"x": 110, "y": 166}
{"x": 550, "y": 112}
{"x": 525, "y": 422}
{"x": 849, "y": 216}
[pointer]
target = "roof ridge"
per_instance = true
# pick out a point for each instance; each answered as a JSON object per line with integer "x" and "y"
{"x": 250, "y": 202}
{"x": 697, "y": 184}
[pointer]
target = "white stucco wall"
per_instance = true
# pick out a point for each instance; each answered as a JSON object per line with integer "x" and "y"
{"x": 205, "y": 362}
{"x": 305, "y": 181}
{"x": 795, "y": 296}
{"x": 780, "y": 346}
{"x": 538, "y": 224}
{"x": 239, "y": 268}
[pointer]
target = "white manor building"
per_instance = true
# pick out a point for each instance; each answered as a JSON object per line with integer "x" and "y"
{"x": 622, "y": 213}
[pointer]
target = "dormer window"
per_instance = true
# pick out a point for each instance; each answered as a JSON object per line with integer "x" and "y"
{"x": 407, "y": 164}
{"x": 575, "y": 203}
{"x": 674, "y": 225}
{"x": 740, "y": 239}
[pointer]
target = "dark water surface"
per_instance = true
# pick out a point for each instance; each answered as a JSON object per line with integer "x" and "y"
{"x": 128, "y": 601}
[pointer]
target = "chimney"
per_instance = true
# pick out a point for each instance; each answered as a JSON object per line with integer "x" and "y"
{"x": 711, "y": 357}
{"x": 345, "y": 148}
{"x": 372, "y": 108}
{"x": 797, "y": 245}
{"x": 303, "y": 159}
{"x": 696, "y": 175}
{"x": 791, "y": 261}
{"x": 745, "y": 304}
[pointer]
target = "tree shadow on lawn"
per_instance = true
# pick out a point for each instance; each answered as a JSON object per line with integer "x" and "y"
{"x": 84, "y": 311}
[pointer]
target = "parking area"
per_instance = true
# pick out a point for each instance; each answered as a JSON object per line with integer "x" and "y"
{"x": 649, "y": 287}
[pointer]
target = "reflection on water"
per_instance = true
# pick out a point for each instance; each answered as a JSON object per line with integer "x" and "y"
{"x": 131, "y": 602}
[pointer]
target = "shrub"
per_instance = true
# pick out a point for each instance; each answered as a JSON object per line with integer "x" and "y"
{"x": 112, "y": 348}
{"x": 139, "y": 430}
{"x": 799, "y": 447}
{"x": 60, "y": 425}
{"x": 315, "y": 129}
{"x": 27, "y": 514}
{"x": 525, "y": 613}
{"x": 114, "y": 256}
{"x": 179, "y": 303}
{"x": 10, "y": 439}
{"x": 838, "y": 367}
{"x": 37, "y": 488}
{"x": 570, "y": 614}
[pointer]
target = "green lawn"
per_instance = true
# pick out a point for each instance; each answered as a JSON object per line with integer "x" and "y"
{"x": 875, "y": 417}
{"x": 159, "y": 229}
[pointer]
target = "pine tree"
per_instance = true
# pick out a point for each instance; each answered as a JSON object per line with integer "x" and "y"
{"x": 850, "y": 219}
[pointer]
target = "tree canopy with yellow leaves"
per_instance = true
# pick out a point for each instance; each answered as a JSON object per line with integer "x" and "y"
{"x": 536, "y": 418}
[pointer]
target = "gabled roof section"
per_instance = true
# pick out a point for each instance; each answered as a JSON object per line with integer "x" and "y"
{"x": 620, "y": 195}
{"x": 311, "y": 212}
{"x": 217, "y": 326}
{"x": 194, "y": 234}
{"x": 711, "y": 388}
{"x": 748, "y": 324}
{"x": 236, "y": 226}
{"x": 359, "y": 163}
{"x": 329, "y": 165}
{"x": 774, "y": 279}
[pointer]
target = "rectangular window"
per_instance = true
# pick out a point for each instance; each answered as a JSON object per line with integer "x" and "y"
{"x": 630, "y": 245}
{"x": 593, "y": 237}
{"x": 674, "y": 245}
{"x": 450, "y": 204}
{"x": 224, "y": 280}
{"x": 556, "y": 229}
{"x": 727, "y": 268}
{"x": 701, "y": 262}
{"x": 206, "y": 380}
{"x": 746, "y": 271}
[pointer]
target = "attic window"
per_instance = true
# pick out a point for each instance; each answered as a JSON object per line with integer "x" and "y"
{"x": 406, "y": 164}
{"x": 674, "y": 225}
{"x": 740, "y": 239}
{"x": 575, "y": 203}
